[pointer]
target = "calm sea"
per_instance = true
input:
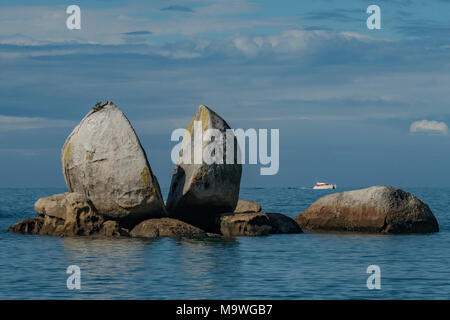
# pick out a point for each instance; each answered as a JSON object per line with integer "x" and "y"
{"x": 297, "y": 266}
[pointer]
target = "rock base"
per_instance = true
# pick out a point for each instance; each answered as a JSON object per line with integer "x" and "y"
{"x": 72, "y": 214}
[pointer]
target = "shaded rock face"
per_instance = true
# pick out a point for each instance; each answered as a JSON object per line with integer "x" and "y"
{"x": 104, "y": 161}
{"x": 200, "y": 190}
{"x": 379, "y": 209}
{"x": 166, "y": 227}
{"x": 69, "y": 214}
{"x": 28, "y": 226}
{"x": 256, "y": 224}
{"x": 245, "y": 224}
{"x": 283, "y": 224}
{"x": 244, "y": 206}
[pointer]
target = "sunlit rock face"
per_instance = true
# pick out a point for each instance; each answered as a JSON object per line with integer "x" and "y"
{"x": 104, "y": 160}
{"x": 378, "y": 209}
{"x": 207, "y": 177}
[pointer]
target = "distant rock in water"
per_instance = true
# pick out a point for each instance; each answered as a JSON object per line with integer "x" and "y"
{"x": 379, "y": 209}
{"x": 244, "y": 206}
{"x": 104, "y": 160}
{"x": 200, "y": 190}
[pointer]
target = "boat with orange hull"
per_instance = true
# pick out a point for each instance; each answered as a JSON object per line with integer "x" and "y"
{"x": 324, "y": 186}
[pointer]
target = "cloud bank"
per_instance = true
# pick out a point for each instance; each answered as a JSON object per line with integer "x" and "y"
{"x": 430, "y": 127}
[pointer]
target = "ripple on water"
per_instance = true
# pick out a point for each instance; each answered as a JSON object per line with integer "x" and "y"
{"x": 301, "y": 266}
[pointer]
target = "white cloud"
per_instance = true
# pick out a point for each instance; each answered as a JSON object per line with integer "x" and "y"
{"x": 426, "y": 126}
{"x": 294, "y": 41}
{"x": 8, "y": 123}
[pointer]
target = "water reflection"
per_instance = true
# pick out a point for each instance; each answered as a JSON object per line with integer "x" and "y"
{"x": 209, "y": 265}
{"x": 128, "y": 268}
{"x": 108, "y": 265}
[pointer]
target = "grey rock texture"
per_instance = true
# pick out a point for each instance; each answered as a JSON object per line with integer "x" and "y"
{"x": 166, "y": 227}
{"x": 379, "y": 209}
{"x": 199, "y": 191}
{"x": 244, "y": 206}
{"x": 103, "y": 160}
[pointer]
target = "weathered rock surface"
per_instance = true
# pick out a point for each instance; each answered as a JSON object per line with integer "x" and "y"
{"x": 199, "y": 190}
{"x": 112, "y": 228}
{"x": 256, "y": 224}
{"x": 166, "y": 227}
{"x": 379, "y": 209}
{"x": 68, "y": 214}
{"x": 66, "y": 206}
{"x": 244, "y": 206}
{"x": 283, "y": 224}
{"x": 28, "y": 226}
{"x": 245, "y": 224}
{"x": 104, "y": 160}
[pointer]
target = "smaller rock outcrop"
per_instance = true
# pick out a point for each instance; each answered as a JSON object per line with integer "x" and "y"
{"x": 283, "y": 224}
{"x": 245, "y": 224}
{"x": 28, "y": 226}
{"x": 166, "y": 227}
{"x": 255, "y": 224}
{"x": 68, "y": 214}
{"x": 379, "y": 209}
{"x": 244, "y": 206}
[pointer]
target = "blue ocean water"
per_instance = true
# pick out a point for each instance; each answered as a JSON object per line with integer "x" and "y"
{"x": 295, "y": 266}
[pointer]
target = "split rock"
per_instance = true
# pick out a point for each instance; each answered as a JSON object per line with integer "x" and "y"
{"x": 200, "y": 190}
{"x": 103, "y": 159}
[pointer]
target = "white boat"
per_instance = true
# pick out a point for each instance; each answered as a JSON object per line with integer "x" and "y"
{"x": 324, "y": 186}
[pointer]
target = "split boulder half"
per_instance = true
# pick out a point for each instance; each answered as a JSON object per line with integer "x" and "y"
{"x": 379, "y": 209}
{"x": 103, "y": 160}
{"x": 202, "y": 189}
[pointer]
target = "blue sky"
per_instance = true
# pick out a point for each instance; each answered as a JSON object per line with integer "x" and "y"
{"x": 344, "y": 97}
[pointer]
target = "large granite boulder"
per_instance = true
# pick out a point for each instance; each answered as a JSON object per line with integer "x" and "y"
{"x": 379, "y": 209}
{"x": 200, "y": 189}
{"x": 104, "y": 160}
{"x": 166, "y": 227}
{"x": 244, "y": 206}
{"x": 68, "y": 214}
